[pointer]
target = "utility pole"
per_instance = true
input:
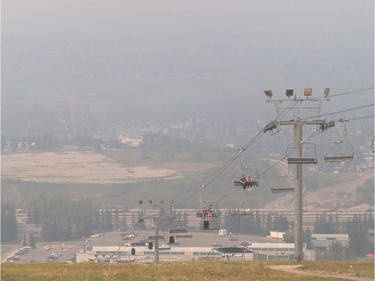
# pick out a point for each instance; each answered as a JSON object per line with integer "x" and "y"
{"x": 156, "y": 237}
{"x": 155, "y": 216}
{"x": 156, "y": 222}
{"x": 296, "y": 155}
{"x": 298, "y": 191}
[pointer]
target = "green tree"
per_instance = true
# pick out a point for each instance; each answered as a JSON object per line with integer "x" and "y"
{"x": 358, "y": 238}
{"x": 335, "y": 251}
{"x": 63, "y": 219}
{"x": 258, "y": 223}
{"x": 24, "y": 240}
{"x": 288, "y": 237}
{"x": 307, "y": 238}
{"x": 32, "y": 243}
{"x": 325, "y": 224}
{"x": 116, "y": 219}
{"x": 107, "y": 220}
{"x": 283, "y": 223}
{"x": 268, "y": 224}
{"x": 9, "y": 228}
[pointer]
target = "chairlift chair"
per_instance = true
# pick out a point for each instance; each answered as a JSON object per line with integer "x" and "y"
{"x": 338, "y": 151}
{"x": 246, "y": 171}
{"x": 372, "y": 145}
{"x": 177, "y": 230}
{"x": 281, "y": 184}
{"x": 207, "y": 215}
{"x": 308, "y": 154}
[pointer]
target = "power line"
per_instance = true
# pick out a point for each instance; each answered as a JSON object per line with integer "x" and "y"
{"x": 341, "y": 111}
{"x": 217, "y": 172}
{"x": 282, "y": 159}
{"x": 352, "y": 92}
{"x": 228, "y": 195}
{"x": 359, "y": 118}
{"x": 267, "y": 170}
{"x": 220, "y": 170}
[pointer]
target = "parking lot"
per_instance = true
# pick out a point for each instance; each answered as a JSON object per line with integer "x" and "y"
{"x": 65, "y": 251}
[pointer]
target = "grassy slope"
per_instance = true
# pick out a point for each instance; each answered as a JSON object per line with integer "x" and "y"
{"x": 197, "y": 271}
{"x": 128, "y": 194}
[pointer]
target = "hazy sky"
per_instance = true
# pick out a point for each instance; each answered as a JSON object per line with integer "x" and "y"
{"x": 214, "y": 50}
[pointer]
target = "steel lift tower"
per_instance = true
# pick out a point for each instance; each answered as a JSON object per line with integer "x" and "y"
{"x": 299, "y": 152}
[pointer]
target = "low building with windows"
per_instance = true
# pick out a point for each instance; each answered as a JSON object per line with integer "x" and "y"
{"x": 323, "y": 241}
{"x": 272, "y": 251}
{"x": 142, "y": 253}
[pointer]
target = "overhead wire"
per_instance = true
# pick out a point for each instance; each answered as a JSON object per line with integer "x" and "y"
{"x": 341, "y": 111}
{"x": 231, "y": 193}
{"x": 352, "y": 92}
{"x": 219, "y": 170}
{"x": 240, "y": 151}
{"x": 222, "y": 168}
{"x": 282, "y": 159}
{"x": 342, "y": 94}
{"x": 360, "y": 118}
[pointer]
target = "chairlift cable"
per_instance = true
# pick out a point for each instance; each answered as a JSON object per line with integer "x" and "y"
{"x": 226, "y": 164}
{"x": 228, "y": 195}
{"x": 341, "y": 111}
{"x": 352, "y": 92}
{"x": 341, "y": 94}
{"x": 261, "y": 174}
{"x": 221, "y": 169}
{"x": 265, "y": 171}
{"x": 359, "y": 118}
{"x": 356, "y": 108}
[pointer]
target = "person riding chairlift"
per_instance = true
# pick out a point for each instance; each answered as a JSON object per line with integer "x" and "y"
{"x": 207, "y": 213}
{"x": 246, "y": 182}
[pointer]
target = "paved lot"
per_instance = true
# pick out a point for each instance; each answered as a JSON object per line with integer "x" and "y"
{"x": 69, "y": 249}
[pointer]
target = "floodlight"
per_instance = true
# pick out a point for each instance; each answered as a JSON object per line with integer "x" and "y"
{"x": 268, "y": 93}
{"x": 326, "y": 92}
{"x": 289, "y": 93}
{"x": 307, "y": 92}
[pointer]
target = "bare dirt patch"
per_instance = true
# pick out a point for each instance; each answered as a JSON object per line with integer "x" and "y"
{"x": 76, "y": 167}
{"x": 297, "y": 269}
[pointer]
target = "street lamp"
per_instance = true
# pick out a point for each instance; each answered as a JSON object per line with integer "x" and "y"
{"x": 326, "y": 92}
{"x": 289, "y": 93}
{"x": 268, "y": 93}
{"x": 307, "y": 92}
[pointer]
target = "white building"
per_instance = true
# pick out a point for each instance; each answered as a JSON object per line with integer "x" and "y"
{"x": 131, "y": 142}
{"x": 323, "y": 241}
{"x": 144, "y": 254}
{"x": 256, "y": 251}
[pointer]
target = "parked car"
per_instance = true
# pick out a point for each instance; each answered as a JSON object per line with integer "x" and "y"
{"x": 21, "y": 252}
{"x": 53, "y": 257}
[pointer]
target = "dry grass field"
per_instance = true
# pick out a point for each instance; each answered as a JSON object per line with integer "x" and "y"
{"x": 76, "y": 167}
{"x": 185, "y": 271}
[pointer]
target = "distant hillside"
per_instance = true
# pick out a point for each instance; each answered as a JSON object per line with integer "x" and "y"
{"x": 334, "y": 191}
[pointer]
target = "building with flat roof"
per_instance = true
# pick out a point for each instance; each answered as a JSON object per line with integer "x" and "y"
{"x": 144, "y": 254}
{"x": 141, "y": 253}
{"x": 323, "y": 241}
